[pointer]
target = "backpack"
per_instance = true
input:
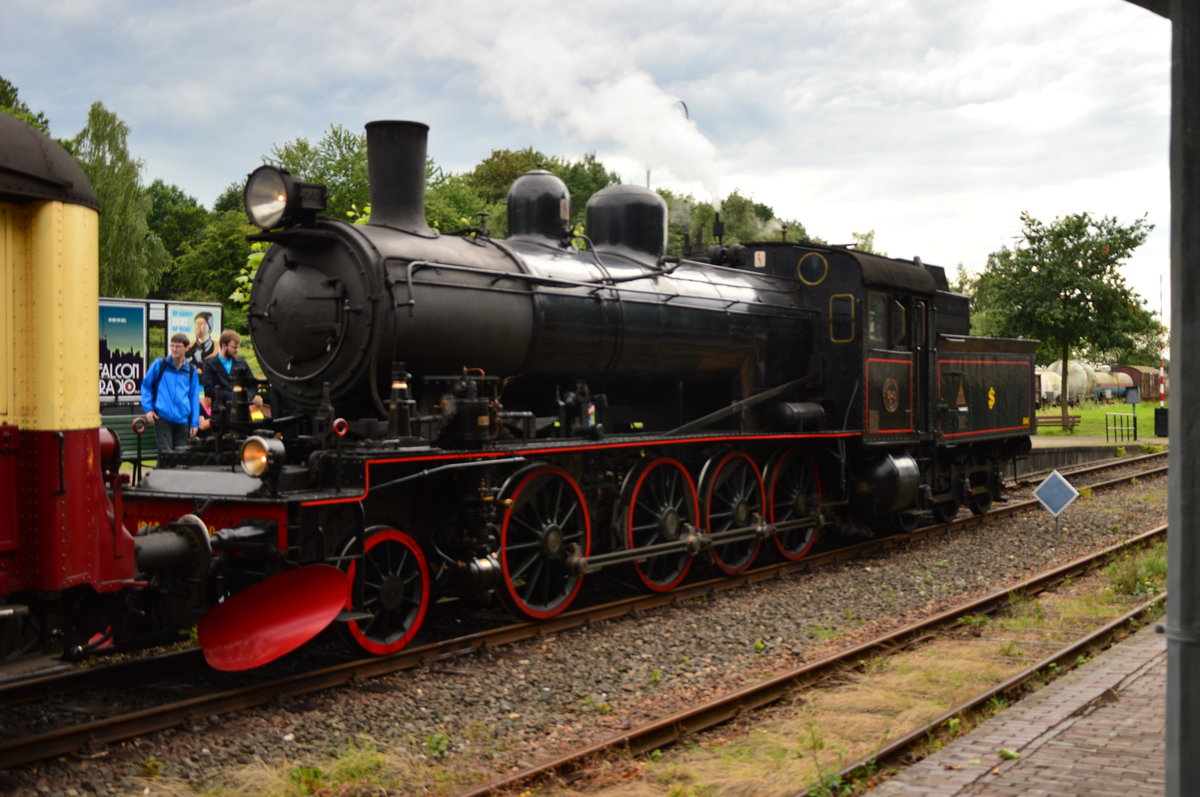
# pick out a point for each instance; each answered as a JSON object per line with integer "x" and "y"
{"x": 191, "y": 369}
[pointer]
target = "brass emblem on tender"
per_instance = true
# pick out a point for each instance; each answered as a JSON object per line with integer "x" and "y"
{"x": 891, "y": 395}
{"x": 991, "y": 398}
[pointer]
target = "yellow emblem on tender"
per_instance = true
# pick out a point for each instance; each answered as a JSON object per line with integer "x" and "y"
{"x": 991, "y": 398}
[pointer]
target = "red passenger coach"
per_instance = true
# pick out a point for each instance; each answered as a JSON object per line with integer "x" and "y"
{"x": 76, "y": 562}
{"x": 57, "y": 527}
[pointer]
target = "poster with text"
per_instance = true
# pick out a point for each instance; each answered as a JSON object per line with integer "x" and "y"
{"x": 202, "y": 325}
{"x": 122, "y": 351}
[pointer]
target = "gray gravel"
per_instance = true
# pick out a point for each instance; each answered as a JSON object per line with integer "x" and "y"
{"x": 475, "y": 718}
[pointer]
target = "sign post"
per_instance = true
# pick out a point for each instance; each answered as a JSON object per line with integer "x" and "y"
{"x": 1056, "y": 494}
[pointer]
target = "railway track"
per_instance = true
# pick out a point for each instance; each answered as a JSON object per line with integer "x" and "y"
{"x": 209, "y": 694}
{"x": 671, "y": 729}
{"x": 1089, "y": 470}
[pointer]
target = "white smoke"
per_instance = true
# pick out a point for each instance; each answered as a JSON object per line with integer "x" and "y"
{"x": 547, "y": 62}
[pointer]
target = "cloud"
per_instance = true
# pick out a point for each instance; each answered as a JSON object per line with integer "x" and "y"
{"x": 935, "y": 122}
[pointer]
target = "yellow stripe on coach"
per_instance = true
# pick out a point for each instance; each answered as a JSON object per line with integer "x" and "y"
{"x": 49, "y": 326}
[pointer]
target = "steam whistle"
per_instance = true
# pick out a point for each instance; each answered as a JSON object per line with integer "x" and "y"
{"x": 718, "y": 229}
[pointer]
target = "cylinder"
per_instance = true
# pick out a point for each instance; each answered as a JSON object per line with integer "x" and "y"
{"x": 886, "y": 484}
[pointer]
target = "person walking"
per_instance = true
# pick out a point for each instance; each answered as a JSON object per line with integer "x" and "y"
{"x": 171, "y": 396}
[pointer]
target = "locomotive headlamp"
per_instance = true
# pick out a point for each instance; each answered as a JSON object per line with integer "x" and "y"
{"x": 274, "y": 198}
{"x": 262, "y": 456}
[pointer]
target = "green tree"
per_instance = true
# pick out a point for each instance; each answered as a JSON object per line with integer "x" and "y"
{"x": 338, "y": 161}
{"x": 207, "y": 270}
{"x": 865, "y": 242}
{"x": 175, "y": 217}
{"x": 132, "y": 258}
{"x": 1061, "y": 283}
{"x": 1141, "y": 349}
{"x": 230, "y": 198}
{"x": 11, "y": 103}
{"x": 690, "y": 223}
{"x": 452, "y": 203}
{"x": 492, "y": 177}
{"x": 583, "y": 177}
{"x": 983, "y": 300}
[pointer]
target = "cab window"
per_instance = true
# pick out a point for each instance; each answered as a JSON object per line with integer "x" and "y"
{"x": 899, "y": 324}
{"x": 877, "y": 318}
{"x": 841, "y": 318}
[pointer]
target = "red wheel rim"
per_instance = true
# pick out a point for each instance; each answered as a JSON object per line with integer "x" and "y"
{"x": 672, "y": 490}
{"x": 782, "y": 507}
{"x": 734, "y": 493}
{"x": 547, "y": 515}
{"x": 395, "y": 590}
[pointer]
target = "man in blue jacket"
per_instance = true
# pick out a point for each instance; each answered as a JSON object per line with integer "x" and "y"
{"x": 171, "y": 396}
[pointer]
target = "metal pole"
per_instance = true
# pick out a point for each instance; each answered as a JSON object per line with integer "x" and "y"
{"x": 1162, "y": 344}
{"x": 1183, "y": 608}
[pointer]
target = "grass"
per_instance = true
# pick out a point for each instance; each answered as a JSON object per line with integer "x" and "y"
{"x": 892, "y": 695}
{"x": 1092, "y": 419}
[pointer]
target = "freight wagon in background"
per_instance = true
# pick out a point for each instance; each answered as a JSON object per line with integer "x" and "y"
{"x": 1144, "y": 378}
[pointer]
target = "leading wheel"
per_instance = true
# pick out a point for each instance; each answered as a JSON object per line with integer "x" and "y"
{"x": 660, "y": 502}
{"x": 395, "y": 591}
{"x": 547, "y": 516}
{"x": 794, "y": 492}
{"x": 733, "y": 496}
{"x": 980, "y": 504}
{"x": 945, "y": 512}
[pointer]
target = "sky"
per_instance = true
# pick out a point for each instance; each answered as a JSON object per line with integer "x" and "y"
{"x": 935, "y": 123}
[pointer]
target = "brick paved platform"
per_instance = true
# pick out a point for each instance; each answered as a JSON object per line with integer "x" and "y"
{"x": 1099, "y": 730}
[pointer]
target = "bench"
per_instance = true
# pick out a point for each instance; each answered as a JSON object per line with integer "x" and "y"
{"x": 122, "y": 427}
{"x": 1057, "y": 420}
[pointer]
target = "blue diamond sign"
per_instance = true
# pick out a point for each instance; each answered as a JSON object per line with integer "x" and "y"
{"x": 1055, "y": 493}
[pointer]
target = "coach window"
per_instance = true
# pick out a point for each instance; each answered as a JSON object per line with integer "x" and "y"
{"x": 841, "y": 318}
{"x": 877, "y": 327}
{"x": 899, "y": 324}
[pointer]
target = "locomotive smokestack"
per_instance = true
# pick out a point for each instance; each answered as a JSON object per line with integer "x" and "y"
{"x": 396, "y": 169}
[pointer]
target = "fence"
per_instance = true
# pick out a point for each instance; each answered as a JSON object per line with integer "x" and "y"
{"x": 1120, "y": 425}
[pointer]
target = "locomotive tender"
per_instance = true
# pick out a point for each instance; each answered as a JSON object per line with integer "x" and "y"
{"x": 472, "y": 416}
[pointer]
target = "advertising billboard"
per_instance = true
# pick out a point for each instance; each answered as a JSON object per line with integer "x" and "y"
{"x": 135, "y": 332}
{"x": 122, "y": 350}
{"x": 202, "y": 325}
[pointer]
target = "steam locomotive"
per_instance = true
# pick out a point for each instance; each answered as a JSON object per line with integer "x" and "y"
{"x": 456, "y": 414}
